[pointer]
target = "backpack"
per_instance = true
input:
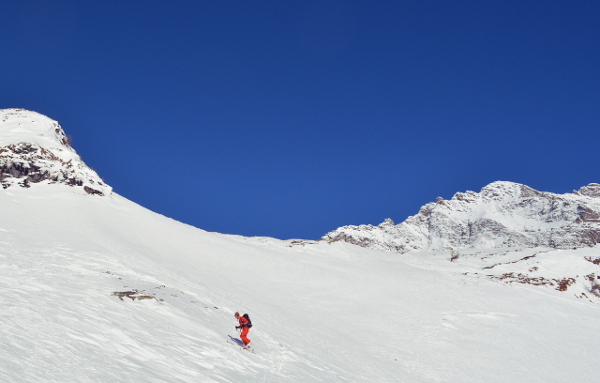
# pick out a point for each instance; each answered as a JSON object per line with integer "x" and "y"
{"x": 249, "y": 321}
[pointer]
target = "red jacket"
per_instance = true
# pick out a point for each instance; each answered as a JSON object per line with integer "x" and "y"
{"x": 243, "y": 321}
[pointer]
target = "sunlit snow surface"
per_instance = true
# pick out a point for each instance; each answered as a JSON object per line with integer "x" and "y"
{"x": 321, "y": 312}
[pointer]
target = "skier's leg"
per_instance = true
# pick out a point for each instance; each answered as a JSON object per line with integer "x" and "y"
{"x": 244, "y": 334}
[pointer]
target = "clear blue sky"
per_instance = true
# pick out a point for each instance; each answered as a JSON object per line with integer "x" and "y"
{"x": 292, "y": 118}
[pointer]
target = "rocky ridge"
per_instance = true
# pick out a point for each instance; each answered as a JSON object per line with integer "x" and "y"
{"x": 34, "y": 149}
{"x": 502, "y": 215}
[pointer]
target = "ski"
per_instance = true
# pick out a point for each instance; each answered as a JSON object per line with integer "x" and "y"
{"x": 240, "y": 344}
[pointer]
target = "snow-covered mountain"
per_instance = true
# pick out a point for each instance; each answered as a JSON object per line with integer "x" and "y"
{"x": 99, "y": 289}
{"x": 502, "y": 215}
{"x": 488, "y": 226}
{"x": 34, "y": 148}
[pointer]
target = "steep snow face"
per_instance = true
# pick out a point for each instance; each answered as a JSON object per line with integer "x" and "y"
{"x": 502, "y": 215}
{"x": 34, "y": 148}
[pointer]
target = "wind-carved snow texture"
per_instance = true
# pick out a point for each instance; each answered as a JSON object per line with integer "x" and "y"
{"x": 502, "y": 215}
{"x": 34, "y": 148}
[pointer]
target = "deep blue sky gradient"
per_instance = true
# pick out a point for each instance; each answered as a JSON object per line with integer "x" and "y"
{"x": 292, "y": 118}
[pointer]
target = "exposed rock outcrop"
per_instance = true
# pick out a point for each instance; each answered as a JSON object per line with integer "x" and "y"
{"x": 34, "y": 149}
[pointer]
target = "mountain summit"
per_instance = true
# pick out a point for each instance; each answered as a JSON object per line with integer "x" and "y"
{"x": 34, "y": 149}
{"x": 502, "y": 215}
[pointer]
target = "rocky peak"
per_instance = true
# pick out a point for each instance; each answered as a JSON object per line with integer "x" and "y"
{"x": 34, "y": 149}
{"x": 503, "y": 214}
{"x": 592, "y": 190}
{"x": 502, "y": 190}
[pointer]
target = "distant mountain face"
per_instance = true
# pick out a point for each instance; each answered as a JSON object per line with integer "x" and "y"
{"x": 34, "y": 148}
{"x": 502, "y": 215}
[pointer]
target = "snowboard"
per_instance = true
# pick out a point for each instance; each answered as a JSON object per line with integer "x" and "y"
{"x": 238, "y": 342}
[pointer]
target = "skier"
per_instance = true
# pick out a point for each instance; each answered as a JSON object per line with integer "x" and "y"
{"x": 245, "y": 325}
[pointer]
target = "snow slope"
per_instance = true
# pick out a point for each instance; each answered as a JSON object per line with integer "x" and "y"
{"x": 99, "y": 289}
{"x": 322, "y": 312}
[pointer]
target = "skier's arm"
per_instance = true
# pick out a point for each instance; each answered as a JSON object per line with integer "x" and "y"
{"x": 243, "y": 323}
